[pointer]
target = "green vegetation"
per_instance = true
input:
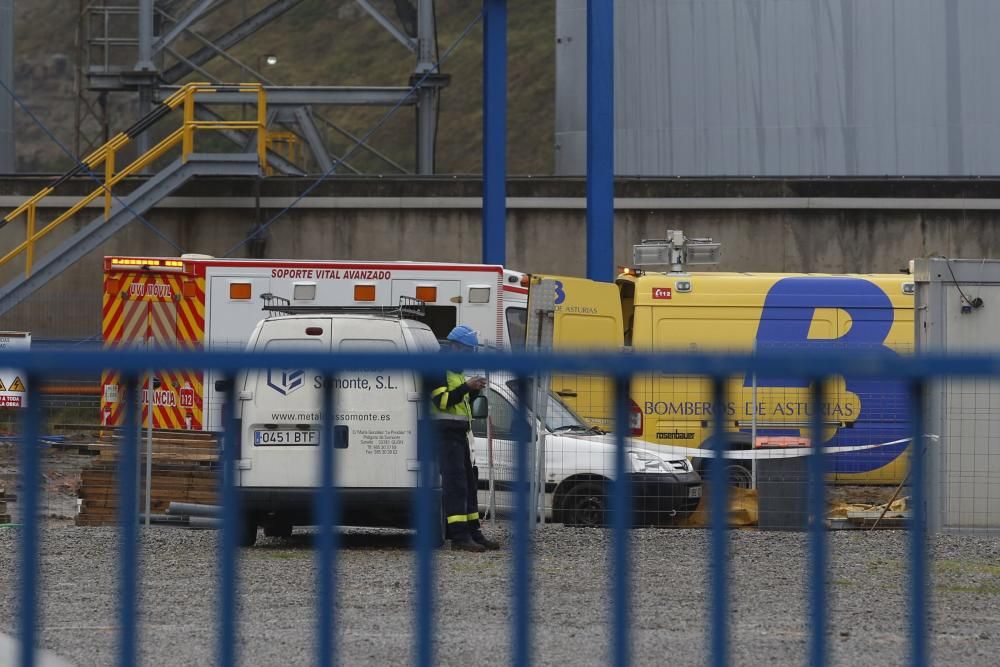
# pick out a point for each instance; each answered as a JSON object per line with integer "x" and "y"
{"x": 320, "y": 42}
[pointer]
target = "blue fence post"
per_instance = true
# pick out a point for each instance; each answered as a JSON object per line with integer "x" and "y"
{"x": 30, "y": 479}
{"x": 817, "y": 530}
{"x": 128, "y": 521}
{"x": 427, "y": 523}
{"x": 718, "y": 518}
{"x": 327, "y": 514}
{"x": 918, "y": 530}
{"x": 232, "y": 527}
{"x": 495, "y": 132}
{"x": 521, "y": 639}
{"x": 600, "y": 140}
{"x": 622, "y": 520}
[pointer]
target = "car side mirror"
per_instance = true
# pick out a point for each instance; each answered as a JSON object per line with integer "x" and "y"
{"x": 480, "y": 407}
{"x": 223, "y": 385}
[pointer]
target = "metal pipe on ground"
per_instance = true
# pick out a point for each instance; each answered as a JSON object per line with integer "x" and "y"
{"x": 194, "y": 510}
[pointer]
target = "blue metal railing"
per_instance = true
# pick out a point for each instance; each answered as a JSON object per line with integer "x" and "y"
{"x": 915, "y": 370}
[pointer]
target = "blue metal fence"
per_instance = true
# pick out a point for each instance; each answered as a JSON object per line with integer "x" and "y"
{"x": 915, "y": 370}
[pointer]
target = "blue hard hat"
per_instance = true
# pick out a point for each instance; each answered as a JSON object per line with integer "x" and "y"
{"x": 464, "y": 336}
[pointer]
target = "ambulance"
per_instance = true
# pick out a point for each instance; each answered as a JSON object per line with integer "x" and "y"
{"x": 200, "y": 302}
{"x": 678, "y": 311}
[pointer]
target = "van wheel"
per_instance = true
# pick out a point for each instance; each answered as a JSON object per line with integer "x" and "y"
{"x": 278, "y": 528}
{"x": 248, "y": 530}
{"x": 584, "y": 504}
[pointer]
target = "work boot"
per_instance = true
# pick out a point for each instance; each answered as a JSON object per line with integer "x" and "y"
{"x": 466, "y": 543}
{"x": 485, "y": 542}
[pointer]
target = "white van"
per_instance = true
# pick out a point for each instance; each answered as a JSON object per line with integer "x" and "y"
{"x": 375, "y": 426}
{"x": 579, "y": 466}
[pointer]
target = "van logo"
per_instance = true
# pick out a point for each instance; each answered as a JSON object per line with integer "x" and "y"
{"x": 285, "y": 380}
{"x": 662, "y": 292}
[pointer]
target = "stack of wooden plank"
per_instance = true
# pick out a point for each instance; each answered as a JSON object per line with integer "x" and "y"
{"x": 4, "y": 513}
{"x": 184, "y": 469}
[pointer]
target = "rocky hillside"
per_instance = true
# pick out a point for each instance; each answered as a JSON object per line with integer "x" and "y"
{"x": 320, "y": 42}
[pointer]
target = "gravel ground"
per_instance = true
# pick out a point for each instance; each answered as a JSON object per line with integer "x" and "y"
{"x": 867, "y": 604}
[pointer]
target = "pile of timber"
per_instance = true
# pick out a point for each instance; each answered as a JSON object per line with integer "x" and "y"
{"x": 4, "y": 512}
{"x": 184, "y": 469}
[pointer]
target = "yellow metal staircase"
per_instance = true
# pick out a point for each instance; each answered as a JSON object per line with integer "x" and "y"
{"x": 122, "y": 208}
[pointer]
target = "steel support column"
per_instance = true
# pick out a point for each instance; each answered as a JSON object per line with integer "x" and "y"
{"x": 495, "y": 132}
{"x": 600, "y": 140}
{"x": 145, "y": 64}
{"x": 8, "y": 161}
{"x": 427, "y": 95}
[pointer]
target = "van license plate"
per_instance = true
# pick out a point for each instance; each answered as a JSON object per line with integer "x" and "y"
{"x": 285, "y": 437}
{"x": 694, "y": 492}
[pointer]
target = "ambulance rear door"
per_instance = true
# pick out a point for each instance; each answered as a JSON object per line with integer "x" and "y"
{"x": 233, "y": 309}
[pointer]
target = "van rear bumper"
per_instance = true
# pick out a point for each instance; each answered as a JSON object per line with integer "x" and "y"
{"x": 378, "y": 508}
{"x": 657, "y": 497}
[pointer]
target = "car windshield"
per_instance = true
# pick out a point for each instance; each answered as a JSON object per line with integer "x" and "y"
{"x": 559, "y": 417}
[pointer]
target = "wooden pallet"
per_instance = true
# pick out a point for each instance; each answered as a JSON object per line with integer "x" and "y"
{"x": 184, "y": 469}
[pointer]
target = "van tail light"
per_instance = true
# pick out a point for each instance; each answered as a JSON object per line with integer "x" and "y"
{"x": 634, "y": 420}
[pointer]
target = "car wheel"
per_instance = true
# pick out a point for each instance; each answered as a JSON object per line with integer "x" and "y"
{"x": 248, "y": 530}
{"x": 584, "y": 504}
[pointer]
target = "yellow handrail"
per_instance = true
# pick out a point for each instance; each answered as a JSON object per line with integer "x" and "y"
{"x": 106, "y": 155}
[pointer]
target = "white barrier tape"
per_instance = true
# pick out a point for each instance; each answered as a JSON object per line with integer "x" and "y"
{"x": 776, "y": 453}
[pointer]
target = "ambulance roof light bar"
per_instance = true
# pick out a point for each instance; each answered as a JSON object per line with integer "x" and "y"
{"x": 676, "y": 251}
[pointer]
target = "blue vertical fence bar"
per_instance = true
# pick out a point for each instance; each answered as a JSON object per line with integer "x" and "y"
{"x": 621, "y": 512}
{"x": 327, "y": 516}
{"x": 28, "y": 501}
{"x": 128, "y": 523}
{"x": 918, "y": 529}
{"x": 232, "y": 526}
{"x": 718, "y": 520}
{"x": 427, "y": 523}
{"x": 495, "y": 132}
{"x": 521, "y": 630}
{"x": 817, "y": 530}
{"x": 600, "y": 140}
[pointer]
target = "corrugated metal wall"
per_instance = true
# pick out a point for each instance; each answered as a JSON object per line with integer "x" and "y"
{"x": 790, "y": 87}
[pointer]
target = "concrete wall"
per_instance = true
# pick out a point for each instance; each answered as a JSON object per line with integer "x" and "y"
{"x": 824, "y": 225}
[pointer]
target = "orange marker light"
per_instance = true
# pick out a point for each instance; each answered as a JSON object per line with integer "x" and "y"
{"x": 364, "y": 292}
{"x": 239, "y": 291}
{"x": 427, "y": 294}
{"x": 189, "y": 289}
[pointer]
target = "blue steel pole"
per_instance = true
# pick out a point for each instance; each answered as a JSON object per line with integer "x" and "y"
{"x": 522, "y": 532}
{"x": 327, "y": 514}
{"x": 30, "y": 478}
{"x": 600, "y": 140}
{"x": 718, "y": 519}
{"x": 427, "y": 523}
{"x": 495, "y": 132}
{"x": 128, "y": 520}
{"x": 621, "y": 519}
{"x": 232, "y": 525}
{"x": 918, "y": 531}
{"x": 817, "y": 531}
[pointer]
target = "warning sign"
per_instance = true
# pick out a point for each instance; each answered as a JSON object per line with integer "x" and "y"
{"x": 12, "y": 387}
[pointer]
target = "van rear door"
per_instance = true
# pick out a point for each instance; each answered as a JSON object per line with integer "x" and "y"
{"x": 281, "y": 408}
